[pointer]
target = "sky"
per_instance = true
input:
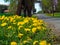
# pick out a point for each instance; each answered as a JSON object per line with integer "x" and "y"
{"x": 38, "y": 7}
{"x": 2, "y": 2}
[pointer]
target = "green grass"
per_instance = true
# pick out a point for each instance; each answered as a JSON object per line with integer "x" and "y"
{"x": 9, "y": 14}
{"x": 6, "y": 14}
{"x": 56, "y": 15}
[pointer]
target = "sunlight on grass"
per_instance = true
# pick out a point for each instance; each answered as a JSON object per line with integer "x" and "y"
{"x": 55, "y": 15}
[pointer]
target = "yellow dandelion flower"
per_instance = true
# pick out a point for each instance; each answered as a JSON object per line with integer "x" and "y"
{"x": 11, "y": 19}
{"x": 28, "y": 38}
{"x": 20, "y": 23}
{"x": 14, "y": 21}
{"x": 34, "y": 30}
{"x": 44, "y": 28}
{"x": 15, "y": 16}
{"x": 20, "y": 27}
{"x": 35, "y": 42}
{"x": 13, "y": 43}
{"x": 39, "y": 27}
{"x": 35, "y": 24}
{"x": 9, "y": 27}
{"x": 33, "y": 18}
{"x": 41, "y": 21}
{"x": 43, "y": 42}
{"x": 27, "y": 29}
{"x": 26, "y": 20}
{"x": 3, "y": 24}
{"x": 1, "y": 18}
{"x": 25, "y": 41}
{"x": 6, "y": 18}
{"x": 19, "y": 17}
{"x": 35, "y": 21}
{"x": 20, "y": 35}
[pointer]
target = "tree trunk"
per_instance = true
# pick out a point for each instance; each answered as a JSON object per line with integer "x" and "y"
{"x": 19, "y": 8}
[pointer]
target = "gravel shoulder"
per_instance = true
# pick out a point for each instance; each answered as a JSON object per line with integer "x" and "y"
{"x": 53, "y": 22}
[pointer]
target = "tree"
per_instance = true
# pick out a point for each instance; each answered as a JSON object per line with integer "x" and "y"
{"x": 58, "y": 6}
{"x": 15, "y": 5}
{"x": 46, "y": 5}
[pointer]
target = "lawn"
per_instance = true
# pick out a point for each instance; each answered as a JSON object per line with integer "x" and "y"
{"x": 9, "y": 14}
{"x": 6, "y": 14}
{"x": 56, "y": 15}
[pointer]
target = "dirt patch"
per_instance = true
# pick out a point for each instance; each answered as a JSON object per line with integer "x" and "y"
{"x": 55, "y": 33}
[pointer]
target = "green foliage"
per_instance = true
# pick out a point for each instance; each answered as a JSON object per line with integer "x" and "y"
{"x": 13, "y": 6}
{"x": 40, "y": 12}
{"x": 58, "y": 6}
{"x": 46, "y": 4}
{"x": 6, "y": 14}
{"x": 23, "y": 31}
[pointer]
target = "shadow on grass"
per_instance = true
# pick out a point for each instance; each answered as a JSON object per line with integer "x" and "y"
{"x": 6, "y": 14}
{"x": 9, "y": 14}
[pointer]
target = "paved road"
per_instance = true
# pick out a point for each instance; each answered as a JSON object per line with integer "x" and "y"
{"x": 52, "y": 21}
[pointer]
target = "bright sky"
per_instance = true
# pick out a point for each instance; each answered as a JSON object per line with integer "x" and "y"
{"x": 37, "y": 6}
{"x": 2, "y": 2}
